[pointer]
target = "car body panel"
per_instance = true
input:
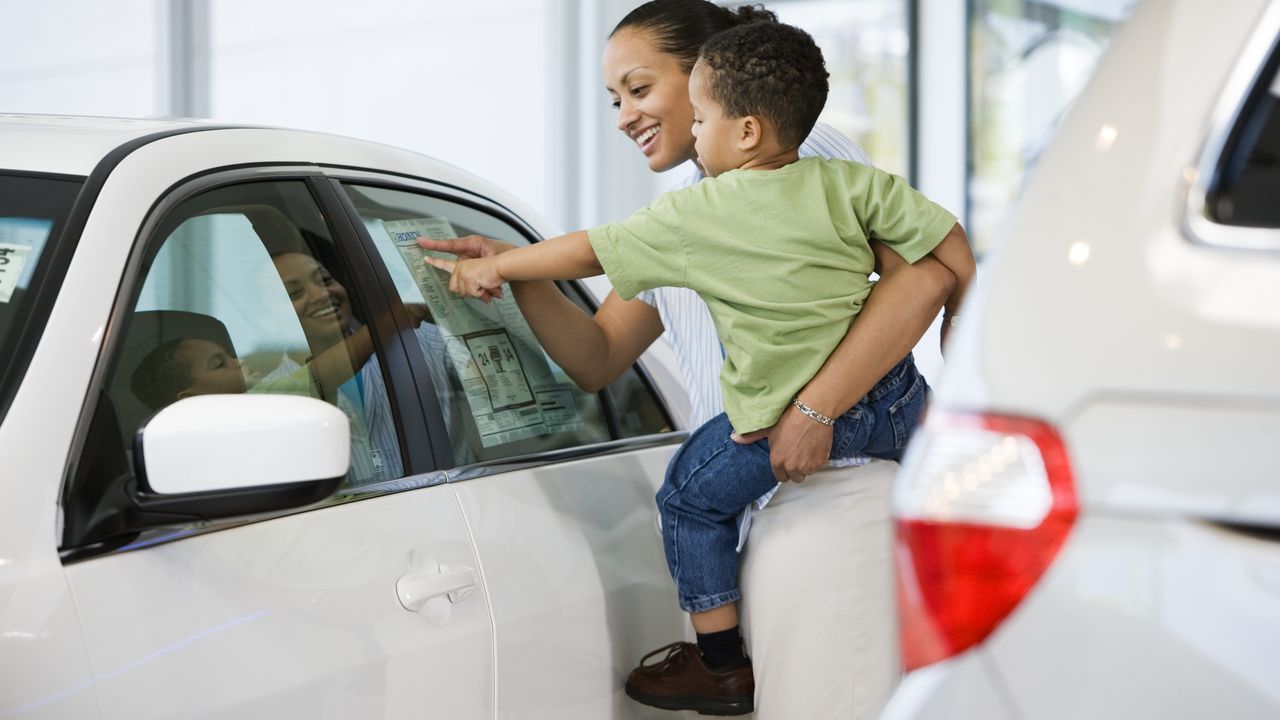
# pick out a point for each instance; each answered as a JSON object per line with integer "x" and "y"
{"x": 938, "y": 690}
{"x": 292, "y": 617}
{"x": 579, "y": 587}
{"x": 1142, "y": 617}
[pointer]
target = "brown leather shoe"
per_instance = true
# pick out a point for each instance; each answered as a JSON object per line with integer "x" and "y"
{"x": 680, "y": 680}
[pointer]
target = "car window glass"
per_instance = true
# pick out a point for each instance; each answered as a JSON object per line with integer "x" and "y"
{"x": 33, "y": 211}
{"x": 244, "y": 292}
{"x": 1249, "y": 171}
{"x": 509, "y": 396}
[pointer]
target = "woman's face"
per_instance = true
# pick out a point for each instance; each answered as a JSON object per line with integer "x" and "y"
{"x": 319, "y": 300}
{"x": 651, "y": 93}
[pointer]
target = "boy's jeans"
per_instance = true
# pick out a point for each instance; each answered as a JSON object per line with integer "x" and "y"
{"x": 711, "y": 478}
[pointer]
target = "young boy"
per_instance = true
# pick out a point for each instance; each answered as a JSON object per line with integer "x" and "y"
{"x": 778, "y": 249}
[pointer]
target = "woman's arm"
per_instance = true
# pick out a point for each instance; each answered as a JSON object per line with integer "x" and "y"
{"x": 954, "y": 252}
{"x": 900, "y": 308}
{"x": 594, "y": 351}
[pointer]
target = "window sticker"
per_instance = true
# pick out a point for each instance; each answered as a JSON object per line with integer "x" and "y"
{"x": 12, "y": 258}
{"x": 509, "y": 385}
{"x": 17, "y": 238}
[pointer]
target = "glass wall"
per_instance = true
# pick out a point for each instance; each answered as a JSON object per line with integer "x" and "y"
{"x": 867, "y": 46}
{"x": 463, "y": 82}
{"x": 82, "y": 58}
{"x": 1028, "y": 60}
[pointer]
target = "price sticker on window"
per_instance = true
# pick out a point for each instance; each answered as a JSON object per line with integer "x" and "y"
{"x": 12, "y": 259}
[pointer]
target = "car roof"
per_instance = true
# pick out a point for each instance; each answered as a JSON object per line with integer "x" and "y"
{"x": 73, "y": 145}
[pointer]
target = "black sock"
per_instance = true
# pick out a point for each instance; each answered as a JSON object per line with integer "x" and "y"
{"x": 721, "y": 648}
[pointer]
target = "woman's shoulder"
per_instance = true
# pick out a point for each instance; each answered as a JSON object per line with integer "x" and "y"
{"x": 825, "y": 141}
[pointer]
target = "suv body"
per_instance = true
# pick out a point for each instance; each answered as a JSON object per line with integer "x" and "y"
{"x": 1089, "y": 522}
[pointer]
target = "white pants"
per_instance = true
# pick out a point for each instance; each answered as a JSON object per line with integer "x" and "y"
{"x": 818, "y": 605}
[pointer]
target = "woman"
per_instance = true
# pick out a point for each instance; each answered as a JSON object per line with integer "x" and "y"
{"x": 845, "y": 639}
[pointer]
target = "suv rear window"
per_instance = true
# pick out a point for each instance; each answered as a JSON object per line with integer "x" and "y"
{"x": 33, "y": 211}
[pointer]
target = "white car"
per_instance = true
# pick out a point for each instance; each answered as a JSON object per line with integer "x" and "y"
{"x": 256, "y": 463}
{"x": 1089, "y": 522}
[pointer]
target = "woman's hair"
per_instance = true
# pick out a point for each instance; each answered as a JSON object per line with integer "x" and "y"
{"x": 680, "y": 27}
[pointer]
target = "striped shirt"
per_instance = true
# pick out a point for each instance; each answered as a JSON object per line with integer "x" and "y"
{"x": 687, "y": 323}
{"x": 375, "y": 450}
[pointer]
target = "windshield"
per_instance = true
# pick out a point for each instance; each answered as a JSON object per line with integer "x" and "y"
{"x": 33, "y": 211}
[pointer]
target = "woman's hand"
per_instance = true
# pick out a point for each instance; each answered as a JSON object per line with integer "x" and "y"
{"x": 477, "y": 278}
{"x": 798, "y": 445}
{"x": 471, "y": 247}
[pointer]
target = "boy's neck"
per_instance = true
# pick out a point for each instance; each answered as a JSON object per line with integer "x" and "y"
{"x": 771, "y": 159}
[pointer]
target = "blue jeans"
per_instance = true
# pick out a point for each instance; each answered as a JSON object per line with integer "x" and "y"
{"x": 712, "y": 478}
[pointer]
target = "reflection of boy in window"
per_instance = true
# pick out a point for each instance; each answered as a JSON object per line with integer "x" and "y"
{"x": 184, "y": 367}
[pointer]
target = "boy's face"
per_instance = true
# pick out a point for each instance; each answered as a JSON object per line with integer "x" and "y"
{"x": 213, "y": 370}
{"x": 715, "y": 135}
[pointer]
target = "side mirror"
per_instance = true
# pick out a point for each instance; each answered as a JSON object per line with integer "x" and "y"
{"x": 215, "y": 456}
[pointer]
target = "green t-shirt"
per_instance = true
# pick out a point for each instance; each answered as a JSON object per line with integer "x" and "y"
{"x": 781, "y": 259}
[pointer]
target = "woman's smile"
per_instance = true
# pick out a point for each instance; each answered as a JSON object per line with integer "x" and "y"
{"x": 647, "y": 139}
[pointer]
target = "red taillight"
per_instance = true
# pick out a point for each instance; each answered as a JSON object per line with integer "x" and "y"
{"x": 982, "y": 506}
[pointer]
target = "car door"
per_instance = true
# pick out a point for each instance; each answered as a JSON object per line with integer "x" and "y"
{"x": 368, "y": 604}
{"x": 556, "y": 484}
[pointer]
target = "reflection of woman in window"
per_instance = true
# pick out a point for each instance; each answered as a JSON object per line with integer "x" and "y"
{"x": 343, "y": 368}
{"x": 647, "y": 62}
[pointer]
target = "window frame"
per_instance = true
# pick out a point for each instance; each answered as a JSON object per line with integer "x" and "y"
{"x": 1252, "y": 74}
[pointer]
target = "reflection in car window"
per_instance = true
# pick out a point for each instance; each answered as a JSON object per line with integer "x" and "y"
{"x": 509, "y": 396}
{"x": 243, "y": 291}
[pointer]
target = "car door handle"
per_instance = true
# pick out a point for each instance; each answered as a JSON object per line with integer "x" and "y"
{"x": 455, "y": 582}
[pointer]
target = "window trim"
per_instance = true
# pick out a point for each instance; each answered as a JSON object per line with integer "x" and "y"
{"x": 1198, "y": 225}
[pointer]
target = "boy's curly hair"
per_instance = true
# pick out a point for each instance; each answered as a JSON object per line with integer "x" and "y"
{"x": 770, "y": 70}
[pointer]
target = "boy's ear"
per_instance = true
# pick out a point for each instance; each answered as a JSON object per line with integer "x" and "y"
{"x": 750, "y": 133}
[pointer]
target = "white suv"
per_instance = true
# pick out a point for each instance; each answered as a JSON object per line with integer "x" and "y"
{"x": 1089, "y": 523}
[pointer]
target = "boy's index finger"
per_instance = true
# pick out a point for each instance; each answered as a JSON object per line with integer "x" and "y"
{"x": 433, "y": 244}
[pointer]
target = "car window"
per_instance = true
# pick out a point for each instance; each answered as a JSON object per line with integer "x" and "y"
{"x": 33, "y": 210}
{"x": 242, "y": 291}
{"x": 509, "y": 397}
{"x": 1248, "y": 176}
